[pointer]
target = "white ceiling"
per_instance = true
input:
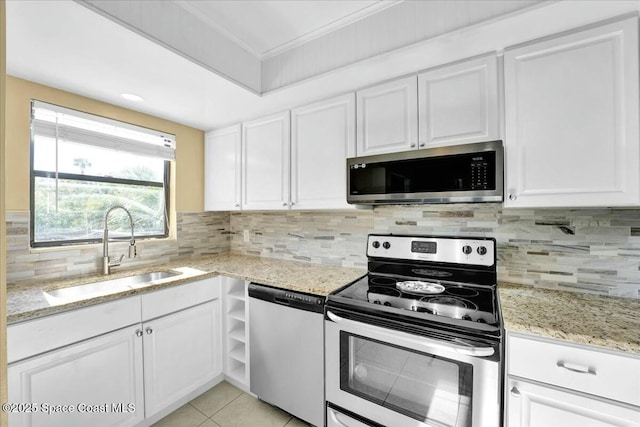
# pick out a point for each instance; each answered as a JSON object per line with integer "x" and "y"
{"x": 62, "y": 44}
{"x": 65, "y": 45}
{"x": 266, "y": 28}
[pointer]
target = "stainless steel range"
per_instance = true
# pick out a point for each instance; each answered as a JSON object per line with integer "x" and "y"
{"x": 417, "y": 341}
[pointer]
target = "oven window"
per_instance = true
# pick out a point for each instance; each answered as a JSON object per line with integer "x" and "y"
{"x": 422, "y": 386}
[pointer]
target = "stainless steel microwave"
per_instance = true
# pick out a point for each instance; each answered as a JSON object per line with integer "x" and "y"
{"x": 452, "y": 174}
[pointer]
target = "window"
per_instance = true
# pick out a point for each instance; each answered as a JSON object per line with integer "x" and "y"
{"x": 82, "y": 165}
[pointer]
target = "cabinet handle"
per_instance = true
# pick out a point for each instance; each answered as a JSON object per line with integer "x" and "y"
{"x": 149, "y": 330}
{"x": 512, "y": 196}
{"x": 284, "y": 203}
{"x": 237, "y": 205}
{"x": 292, "y": 203}
{"x": 413, "y": 145}
{"x": 515, "y": 392}
{"x": 422, "y": 144}
{"x": 576, "y": 368}
{"x": 139, "y": 333}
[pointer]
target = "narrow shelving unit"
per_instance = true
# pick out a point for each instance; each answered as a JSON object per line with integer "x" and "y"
{"x": 236, "y": 321}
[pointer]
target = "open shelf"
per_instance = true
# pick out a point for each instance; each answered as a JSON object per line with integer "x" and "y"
{"x": 236, "y": 343}
{"x": 237, "y": 332}
{"x": 238, "y": 353}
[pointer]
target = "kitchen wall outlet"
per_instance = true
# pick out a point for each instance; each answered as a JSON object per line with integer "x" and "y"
{"x": 245, "y": 234}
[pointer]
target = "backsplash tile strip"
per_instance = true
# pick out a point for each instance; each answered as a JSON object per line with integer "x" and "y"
{"x": 580, "y": 250}
{"x": 198, "y": 234}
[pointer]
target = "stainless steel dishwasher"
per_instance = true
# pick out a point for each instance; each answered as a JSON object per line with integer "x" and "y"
{"x": 286, "y": 350}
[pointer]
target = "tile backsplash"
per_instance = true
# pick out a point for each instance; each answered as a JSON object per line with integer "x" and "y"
{"x": 198, "y": 234}
{"x": 584, "y": 250}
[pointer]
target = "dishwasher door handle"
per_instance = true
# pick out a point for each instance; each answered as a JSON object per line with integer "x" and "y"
{"x": 415, "y": 342}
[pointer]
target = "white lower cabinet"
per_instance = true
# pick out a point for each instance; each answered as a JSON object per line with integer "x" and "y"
{"x": 98, "y": 382}
{"x": 158, "y": 351}
{"x": 181, "y": 353}
{"x": 539, "y": 405}
{"x": 555, "y": 383}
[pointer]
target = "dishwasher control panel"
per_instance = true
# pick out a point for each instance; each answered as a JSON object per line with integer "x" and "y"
{"x": 293, "y": 299}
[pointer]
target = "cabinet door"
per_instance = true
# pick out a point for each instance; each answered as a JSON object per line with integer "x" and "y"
{"x": 387, "y": 119}
{"x": 571, "y": 106}
{"x": 265, "y": 165}
{"x": 222, "y": 165}
{"x": 182, "y": 351}
{"x": 537, "y": 405}
{"x": 458, "y": 103}
{"x": 323, "y": 136}
{"x": 101, "y": 379}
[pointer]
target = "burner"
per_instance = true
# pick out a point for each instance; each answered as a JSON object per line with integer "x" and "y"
{"x": 462, "y": 292}
{"x": 381, "y": 290}
{"x": 421, "y": 288}
{"x": 381, "y": 281}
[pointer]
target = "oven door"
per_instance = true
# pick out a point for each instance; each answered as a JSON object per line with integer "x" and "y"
{"x": 395, "y": 378}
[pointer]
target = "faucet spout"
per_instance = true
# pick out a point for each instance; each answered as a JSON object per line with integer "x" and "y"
{"x": 107, "y": 263}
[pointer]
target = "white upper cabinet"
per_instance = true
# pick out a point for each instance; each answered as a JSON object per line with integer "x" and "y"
{"x": 458, "y": 103}
{"x": 222, "y": 164}
{"x": 387, "y": 117}
{"x": 265, "y": 161}
{"x": 322, "y": 137}
{"x": 571, "y": 106}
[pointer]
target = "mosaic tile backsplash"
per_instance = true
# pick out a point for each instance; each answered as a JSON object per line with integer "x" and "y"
{"x": 198, "y": 234}
{"x": 585, "y": 250}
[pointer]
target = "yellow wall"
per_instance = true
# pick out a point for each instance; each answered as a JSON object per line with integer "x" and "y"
{"x": 188, "y": 173}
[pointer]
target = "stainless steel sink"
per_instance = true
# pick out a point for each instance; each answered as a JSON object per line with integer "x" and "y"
{"x": 106, "y": 287}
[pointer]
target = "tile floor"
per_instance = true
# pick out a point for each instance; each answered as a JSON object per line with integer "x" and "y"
{"x": 226, "y": 406}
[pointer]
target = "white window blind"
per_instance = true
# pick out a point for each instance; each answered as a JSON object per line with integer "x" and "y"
{"x": 64, "y": 124}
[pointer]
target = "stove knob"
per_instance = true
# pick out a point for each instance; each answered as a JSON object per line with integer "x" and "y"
{"x": 466, "y": 249}
{"x": 386, "y": 245}
{"x": 466, "y": 317}
{"x": 387, "y": 303}
{"x": 376, "y": 302}
{"x": 482, "y": 250}
{"x": 375, "y": 244}
{"x": 481, "y": 320}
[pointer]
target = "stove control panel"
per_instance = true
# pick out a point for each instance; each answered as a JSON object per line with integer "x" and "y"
{"x": 435, "y": 249}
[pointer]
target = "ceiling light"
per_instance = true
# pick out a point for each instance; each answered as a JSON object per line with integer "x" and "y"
{"x": 132, "y": 97}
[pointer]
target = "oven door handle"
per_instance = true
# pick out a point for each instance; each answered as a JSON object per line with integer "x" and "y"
{"x": 424, "y": 342}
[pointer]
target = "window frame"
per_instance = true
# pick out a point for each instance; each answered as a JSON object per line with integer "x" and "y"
{"x": 33, "y": 174}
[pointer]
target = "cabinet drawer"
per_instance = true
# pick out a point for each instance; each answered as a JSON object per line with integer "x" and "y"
{"x": 37, "y": 336}
{"x": 612, "y": 375}
{"x": 175, "y": 298}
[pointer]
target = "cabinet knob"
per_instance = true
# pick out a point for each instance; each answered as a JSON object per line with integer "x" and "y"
{"x": 139, "y": 333}
{"x": 237, "y": 205}
{"x": 422, "y": 144}
{"x": 284, "y": 203}
{"x": 149, "y": 330}
{"x": 512, "y": 196}
{"x": 292, "y": 203}
{"x": 515, "y": 392}
{"x": 413, "y": 145}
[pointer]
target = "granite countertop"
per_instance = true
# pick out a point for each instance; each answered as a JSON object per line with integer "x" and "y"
{"x": 609, "y": 322}
{"x": 29, "y": 301}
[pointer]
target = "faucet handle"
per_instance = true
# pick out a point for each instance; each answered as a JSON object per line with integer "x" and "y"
{"x": 113, "y": 262}
{"x": 133, "y": 251}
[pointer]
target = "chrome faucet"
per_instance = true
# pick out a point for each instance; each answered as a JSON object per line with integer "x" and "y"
{"x": 108, "y": 262}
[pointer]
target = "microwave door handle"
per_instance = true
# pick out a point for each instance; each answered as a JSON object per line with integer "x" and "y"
{"x": 424, "y": 342}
